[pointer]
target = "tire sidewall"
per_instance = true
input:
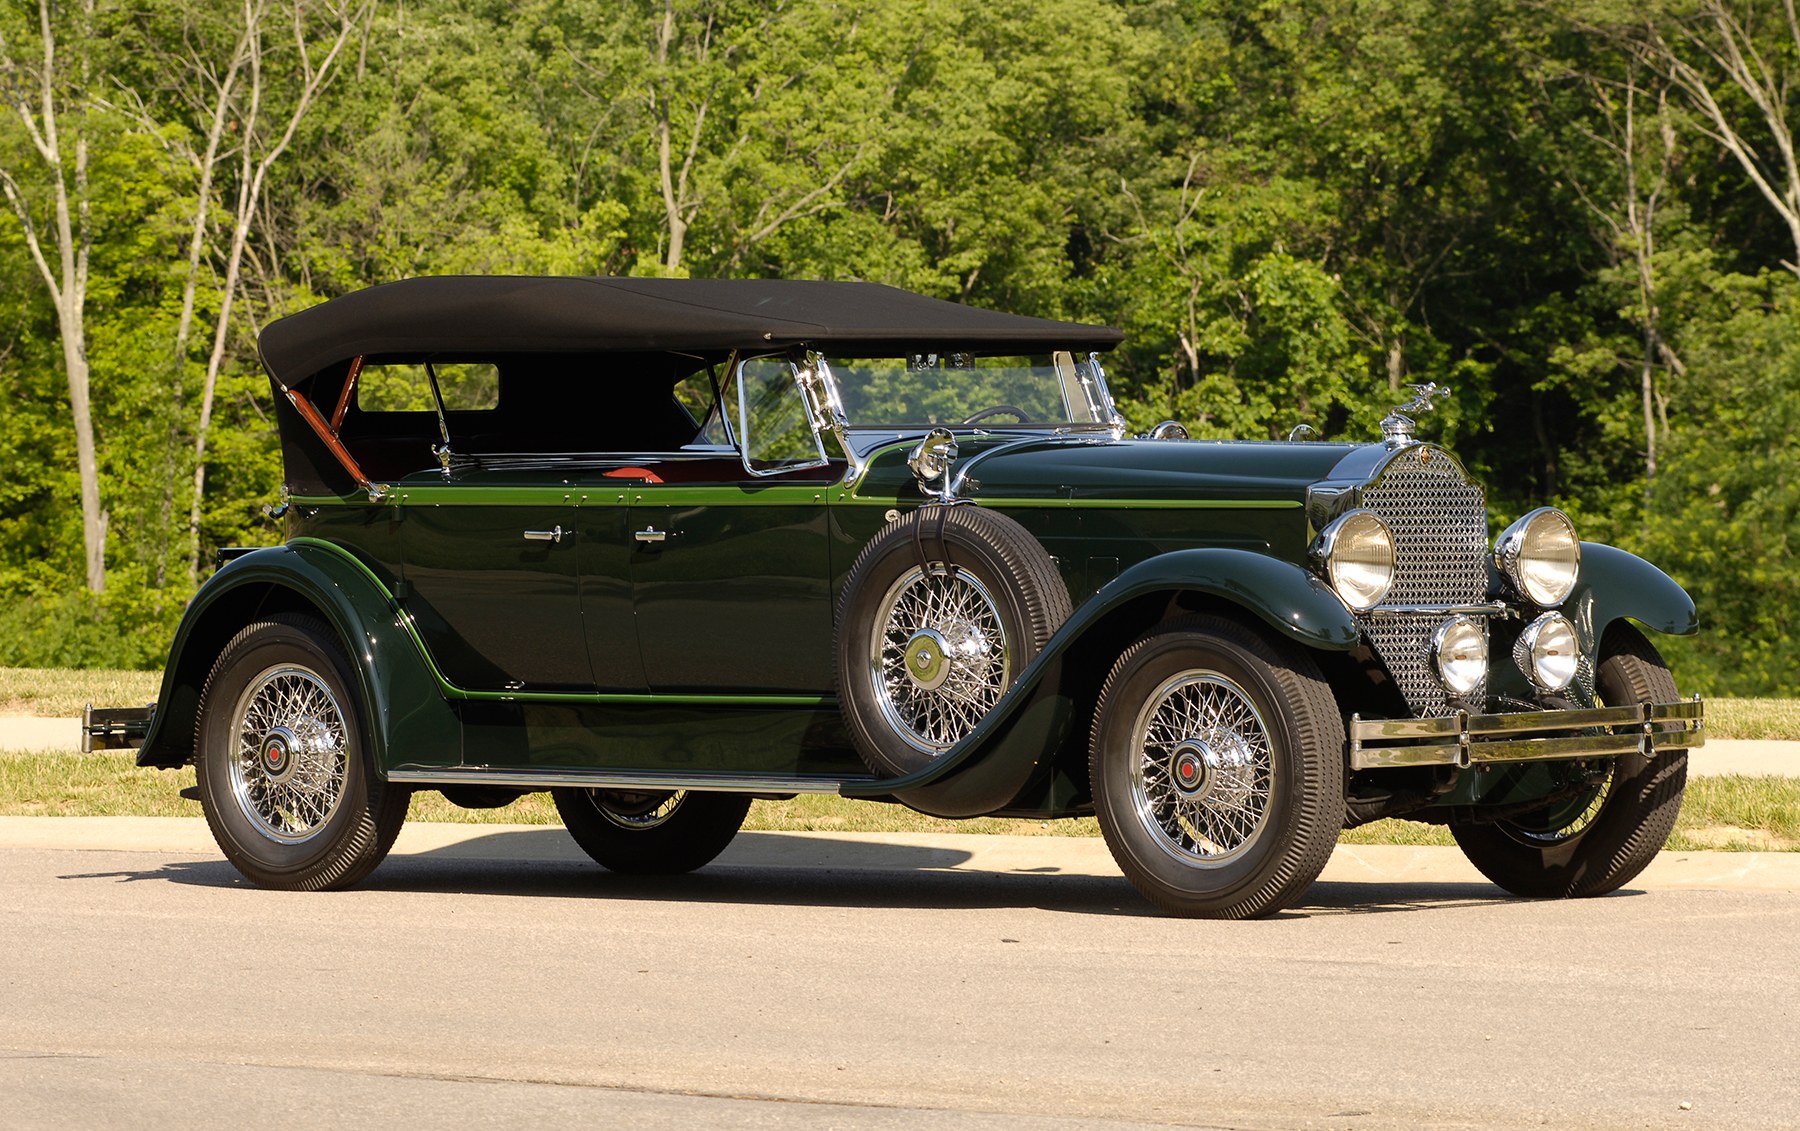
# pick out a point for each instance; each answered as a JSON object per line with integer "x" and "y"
{"x": 1202, "y": 885}
{"x": 262, "y": 859}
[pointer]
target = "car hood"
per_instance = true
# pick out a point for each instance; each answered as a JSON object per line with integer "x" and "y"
{"x": 1086, "y": 469}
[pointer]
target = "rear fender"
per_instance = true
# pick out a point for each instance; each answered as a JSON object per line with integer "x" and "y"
{"x": 988, "y": 770}
{"x": 399, "y": 691}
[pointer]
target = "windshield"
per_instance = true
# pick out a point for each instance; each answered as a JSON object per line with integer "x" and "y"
{"x": 948, "y": 389}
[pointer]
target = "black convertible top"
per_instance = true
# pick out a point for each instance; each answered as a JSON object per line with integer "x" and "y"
{"x": 450, "y": 315}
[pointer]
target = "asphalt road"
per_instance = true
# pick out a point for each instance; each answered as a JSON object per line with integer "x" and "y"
{"x": 153, "y": 988}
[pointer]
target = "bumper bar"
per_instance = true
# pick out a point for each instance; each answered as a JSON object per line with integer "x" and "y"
{"x": 1526, "y": 736}
{"x": 114, "y": 728}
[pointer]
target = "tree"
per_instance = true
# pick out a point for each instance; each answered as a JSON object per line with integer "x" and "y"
{"x": 265, "y": 136}
{"x": 57, "y": 127}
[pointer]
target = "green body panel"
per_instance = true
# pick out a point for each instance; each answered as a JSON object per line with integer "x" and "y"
{"x": 665, "y": 735}
{"x": 402, "y": 697}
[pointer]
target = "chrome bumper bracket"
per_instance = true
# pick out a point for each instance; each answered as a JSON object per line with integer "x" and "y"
{"x": 1465, "y": 740}
{"x": 114, "y": 728}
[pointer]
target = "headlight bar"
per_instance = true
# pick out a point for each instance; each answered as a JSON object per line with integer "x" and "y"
{"x": 1526, "y": 736}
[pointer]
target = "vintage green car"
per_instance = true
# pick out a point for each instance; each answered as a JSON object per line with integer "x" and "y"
{"x": 664, "y": 546}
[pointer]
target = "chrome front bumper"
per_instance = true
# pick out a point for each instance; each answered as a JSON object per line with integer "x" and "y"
{"x": 1526, "y": 736}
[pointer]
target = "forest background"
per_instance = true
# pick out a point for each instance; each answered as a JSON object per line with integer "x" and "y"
{"x": 1583, "y": 217}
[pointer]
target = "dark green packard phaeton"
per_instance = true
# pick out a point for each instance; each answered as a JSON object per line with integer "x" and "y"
{"x": 663, "y": 546}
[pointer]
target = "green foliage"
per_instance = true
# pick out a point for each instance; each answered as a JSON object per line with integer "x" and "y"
{"x": 1292, "y": 209}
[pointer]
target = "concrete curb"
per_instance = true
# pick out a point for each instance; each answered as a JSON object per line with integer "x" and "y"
{"x": 905, "y": 852}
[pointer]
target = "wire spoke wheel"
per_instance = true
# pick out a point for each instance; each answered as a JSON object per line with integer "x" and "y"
{"x": 939, "y": 655}
{"x": 1201, "y": 780}
{"x": 290, "y": 765}
{"x": 282, "y": 760}
{"x": 1216, "y": 764}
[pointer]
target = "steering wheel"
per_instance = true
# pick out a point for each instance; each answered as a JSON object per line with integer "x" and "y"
{"x": 992, "y": 410}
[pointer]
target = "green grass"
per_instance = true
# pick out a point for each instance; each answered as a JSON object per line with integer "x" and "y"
{"x": 60, "y": 693}
{"x": 1753, "y": 718}
{"x": 1732, "y": 813}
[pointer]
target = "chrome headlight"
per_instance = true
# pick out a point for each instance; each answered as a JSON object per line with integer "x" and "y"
{"x": 1356, "y": 554}
{"x": 1460, "y": 648}
{"x": 1541, "y": 556}
{"x": 1546, "y": 652}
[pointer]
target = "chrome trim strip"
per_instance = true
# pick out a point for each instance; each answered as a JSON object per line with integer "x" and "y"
{"x": 617, "y": 779}
{"x": 1464, "y": 740}
{"x": 1487, "y": 609}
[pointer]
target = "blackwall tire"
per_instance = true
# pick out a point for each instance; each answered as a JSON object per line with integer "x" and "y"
{"x": 651, "y": 834}
{"x": 1217, "y": 766}
{"x": 282, "y": 762}
{"x": 942, "y": 611}
{"x": 1600, "y": 843}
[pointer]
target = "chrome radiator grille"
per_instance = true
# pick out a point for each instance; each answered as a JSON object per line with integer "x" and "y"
{"x": 1439, "y": 521}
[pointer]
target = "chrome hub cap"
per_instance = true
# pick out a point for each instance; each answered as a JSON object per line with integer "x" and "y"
{"x": 937, "y": 656}
{"x": 1202, "y": 770}
{"x": 636, "y": 811}
{"x": 928, "y": 659}
{"x": 290, "y": 768}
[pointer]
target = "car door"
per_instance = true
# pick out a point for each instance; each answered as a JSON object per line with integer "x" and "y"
{"x": 491, "y": 580}
{"x": 730, "y": 560}
{"x": 731, "y": 584}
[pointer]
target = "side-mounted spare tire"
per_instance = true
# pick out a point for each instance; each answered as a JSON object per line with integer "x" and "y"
{"x": 943, "y": 610}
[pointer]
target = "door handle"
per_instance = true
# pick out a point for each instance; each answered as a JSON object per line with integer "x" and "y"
{"x": 652, "y": 535}
{"x": 554, "y": 534}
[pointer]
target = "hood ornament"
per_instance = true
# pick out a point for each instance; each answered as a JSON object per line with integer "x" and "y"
{"x": 1397, "y": 426}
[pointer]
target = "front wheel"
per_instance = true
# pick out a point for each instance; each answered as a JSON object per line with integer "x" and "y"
{"x": 1217, "y": 766}
{"x": 651, "y": 834}
{"x": 1598, "y": 842}
{"x": 282, "y": 765}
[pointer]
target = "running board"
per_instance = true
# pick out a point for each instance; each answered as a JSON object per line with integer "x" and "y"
{"x": 626, "y": 780}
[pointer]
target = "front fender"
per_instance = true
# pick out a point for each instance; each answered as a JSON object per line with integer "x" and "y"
{"x": 1614, "y": 585}
{"x": 987, "y": 770}
{"x": 399, "y": 691}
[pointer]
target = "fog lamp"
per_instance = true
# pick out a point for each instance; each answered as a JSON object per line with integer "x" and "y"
{"x": 1460, "y": 648}
{"x": 1546, "y": 652}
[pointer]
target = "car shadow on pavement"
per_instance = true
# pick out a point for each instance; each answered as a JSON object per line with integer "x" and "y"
{"x": 772, "y": 869}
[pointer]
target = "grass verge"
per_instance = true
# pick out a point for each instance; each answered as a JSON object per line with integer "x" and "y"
{"x": 1731, "y": 812}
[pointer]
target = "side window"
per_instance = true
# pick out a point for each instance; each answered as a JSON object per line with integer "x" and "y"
{"x": 695, "y": 394}
{"x": 772, "y": 419}
{"x": 466, "y": 386}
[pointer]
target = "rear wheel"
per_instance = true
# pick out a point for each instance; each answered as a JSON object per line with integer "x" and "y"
{"x": 651, "y": 833}
{"x": 1599, "y": 841}
{"x": 282, "y": 762}
{"x": 1217, "y": 769}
